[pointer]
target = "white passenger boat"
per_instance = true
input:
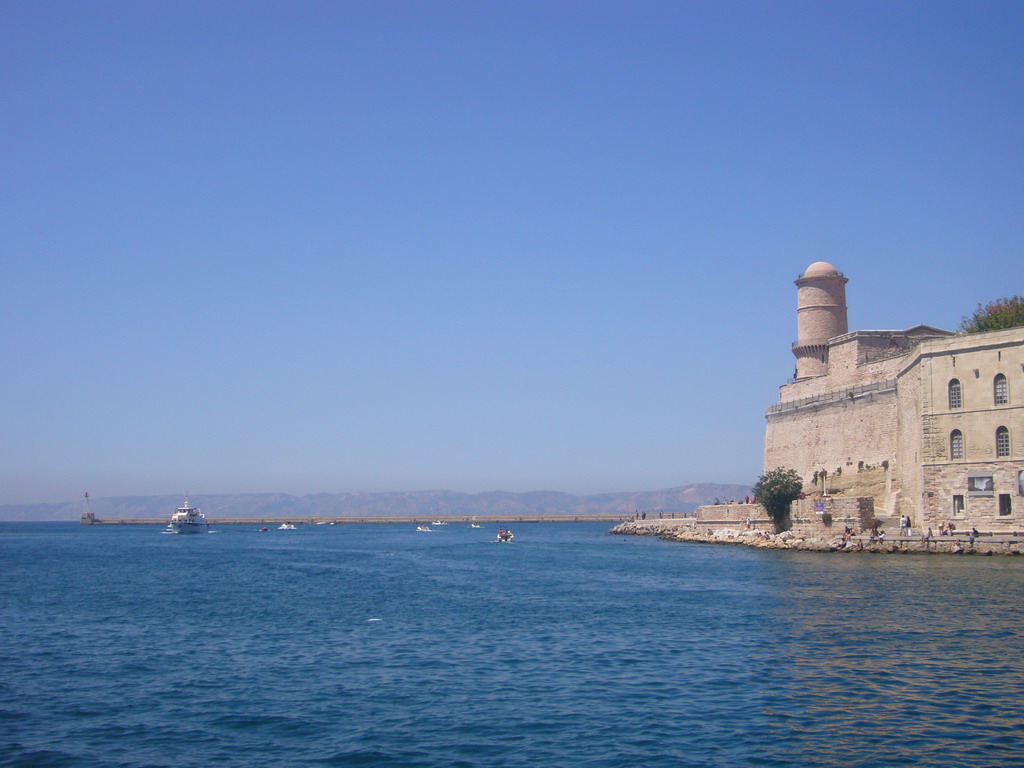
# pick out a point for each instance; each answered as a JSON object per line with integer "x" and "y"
{"x": 188, "y": 519}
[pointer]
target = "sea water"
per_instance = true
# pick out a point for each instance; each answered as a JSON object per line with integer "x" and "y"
{"x": 380, "y": 645}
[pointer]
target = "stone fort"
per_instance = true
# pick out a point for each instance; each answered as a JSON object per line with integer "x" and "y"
{"x": 920, "y": 422}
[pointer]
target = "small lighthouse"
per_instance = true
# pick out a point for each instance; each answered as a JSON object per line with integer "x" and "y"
{"x": 820, "y": 316}
{"x": 88, "y": 517}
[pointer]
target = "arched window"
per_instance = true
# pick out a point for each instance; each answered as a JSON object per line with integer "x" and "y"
{"x": 1002, "y": 442}
{"x": 956, "y": 444}
{"x": 956, "y": 399}
{"x": 1000, "y": 390}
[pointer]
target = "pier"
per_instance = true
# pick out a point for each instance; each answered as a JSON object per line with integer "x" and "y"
{"x": 523, "y": 517}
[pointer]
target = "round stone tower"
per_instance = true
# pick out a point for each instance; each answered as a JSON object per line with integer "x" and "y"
{"x": 820, "y": 316}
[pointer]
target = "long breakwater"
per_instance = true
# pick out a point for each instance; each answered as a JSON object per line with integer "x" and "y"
{"x": 522, "y": 517}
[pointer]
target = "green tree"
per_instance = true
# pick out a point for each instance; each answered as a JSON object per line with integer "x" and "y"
{"x": 776, "y": 489}
{"x": 996, "y": 315}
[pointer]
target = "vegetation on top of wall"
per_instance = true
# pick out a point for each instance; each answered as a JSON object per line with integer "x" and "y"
{"x": 776, "y": 490}
{"x": 996, "y": 315}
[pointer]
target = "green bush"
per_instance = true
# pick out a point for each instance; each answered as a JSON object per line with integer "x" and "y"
{"x": 776, "y": 490}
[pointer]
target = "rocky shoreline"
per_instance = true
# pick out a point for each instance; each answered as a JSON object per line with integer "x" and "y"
{"x": 673, "y": 530}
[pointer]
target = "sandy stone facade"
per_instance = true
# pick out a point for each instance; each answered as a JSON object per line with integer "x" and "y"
{"x": 940, "y": 414}
{"x": 715, "y": 516}
{"x": 964, "y": 407}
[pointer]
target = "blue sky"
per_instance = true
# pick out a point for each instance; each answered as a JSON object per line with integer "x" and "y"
{"x": 373, "y": 246}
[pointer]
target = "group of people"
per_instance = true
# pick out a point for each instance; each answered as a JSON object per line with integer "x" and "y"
{"x": 851, "y": 540}
{"x": 638, "y": 515}
{"x": 949, "y": 530}
{"x": 848, "y": 539}
{"x": 874, "y": 534}
{"x": 945, "y": 529}
{"x": 746, "y": 500}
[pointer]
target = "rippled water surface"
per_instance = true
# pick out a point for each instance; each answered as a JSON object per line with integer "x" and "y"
{"x": 382, "y": 646}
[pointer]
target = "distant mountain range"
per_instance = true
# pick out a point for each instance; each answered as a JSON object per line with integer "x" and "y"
{"x": 389, "y": 504}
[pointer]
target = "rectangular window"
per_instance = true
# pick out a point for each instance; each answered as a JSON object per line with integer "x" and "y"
{"x": 980, "y": 485}
{"x": 958, "y": 505}
{"x": 1004, "y": 504}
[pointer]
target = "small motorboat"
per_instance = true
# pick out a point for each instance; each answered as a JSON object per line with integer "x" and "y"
{"x": 423, "y": 528}
{"x": 505, "y": 536}
{"x": 473, "y": 525}
{"x": 264, "y": 528}
{"x": 286, "y": 527}
{"x": 439, "y": 522}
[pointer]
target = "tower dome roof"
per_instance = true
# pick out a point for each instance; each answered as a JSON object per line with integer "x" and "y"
{"x": 820, "y": 269}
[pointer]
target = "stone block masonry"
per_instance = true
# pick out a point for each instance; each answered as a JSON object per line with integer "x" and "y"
{"x": 824, "y": 516}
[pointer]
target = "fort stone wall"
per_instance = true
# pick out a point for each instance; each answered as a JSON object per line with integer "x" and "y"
{"x": 942, "y": 481}
{"x": 909, "y": 437}
{"x": 856, "y": 360}
{"x": 829, "y": 432}
{"x": 715, "y": 516}
{"x": 829, "y": 515}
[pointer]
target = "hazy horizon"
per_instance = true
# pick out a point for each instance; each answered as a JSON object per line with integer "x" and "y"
{"x": 452, "y": 491}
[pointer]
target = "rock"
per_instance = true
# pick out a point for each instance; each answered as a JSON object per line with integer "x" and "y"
{"x": 691, "y": 532}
